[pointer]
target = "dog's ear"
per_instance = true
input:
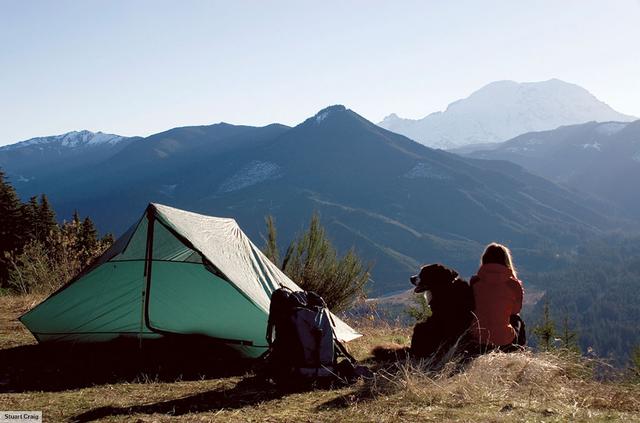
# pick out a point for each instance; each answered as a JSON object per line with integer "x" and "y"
{"x": 446, "y": 275}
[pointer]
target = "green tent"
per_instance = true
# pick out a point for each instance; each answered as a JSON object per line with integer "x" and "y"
{"x": 173, "y": 272}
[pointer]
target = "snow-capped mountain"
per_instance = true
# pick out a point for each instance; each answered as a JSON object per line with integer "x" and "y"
{"x": 35, "y": 160}
{"x": 69, "y": 140}
{"x": 504, "y": 109}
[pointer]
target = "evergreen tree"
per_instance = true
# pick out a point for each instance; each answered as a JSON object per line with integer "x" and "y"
{"x": 108, "y": 240}
{"x": 31, "y": 223}
{"x": 312, "y": 262}
{"x": 271, "y": 248}
{"x": 46, "y": 219}
{"x": 546, "y": 330}
{"x": 11, "y": 219}
{"x": 88, "y": 233}
{"x": 569, "y": 338}
{"x": 76, "y": 218}
{"x": 37, "y": 255}
{"x": 88, "y": 240}
{"x": 10, "y": 216}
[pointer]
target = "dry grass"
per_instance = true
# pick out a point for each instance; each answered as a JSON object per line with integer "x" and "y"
{"x": 516, "y": 384}
{"x": 12, "y": 332}
{"x": 496, "y": 387}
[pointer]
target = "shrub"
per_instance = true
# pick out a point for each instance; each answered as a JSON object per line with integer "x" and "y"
{"x": 420, "y": 310}
{"x": 545, "y": 331}
{"x": 313, "y": 263}
{"x": 44, "y": 266}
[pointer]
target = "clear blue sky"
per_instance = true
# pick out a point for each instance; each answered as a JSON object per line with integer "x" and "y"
{"x": 139, "y": 67}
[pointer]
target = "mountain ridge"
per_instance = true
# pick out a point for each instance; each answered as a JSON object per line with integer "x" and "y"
{"x": 68, "y": 139}
{"x": 397, "y": 202}
{"x": 599, "y": 158}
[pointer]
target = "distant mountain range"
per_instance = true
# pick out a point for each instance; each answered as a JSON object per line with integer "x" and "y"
{"x": 502, "y": 110}
{"x": 398, "y": 202}
{"x": 37, "y": 159}
{"x": 602, "y": 159}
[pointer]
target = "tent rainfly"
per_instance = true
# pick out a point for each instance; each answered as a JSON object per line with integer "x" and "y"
{"x": 173, "y": 272}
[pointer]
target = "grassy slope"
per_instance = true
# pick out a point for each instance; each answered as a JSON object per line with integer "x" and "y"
{"x": 495, "y": 387}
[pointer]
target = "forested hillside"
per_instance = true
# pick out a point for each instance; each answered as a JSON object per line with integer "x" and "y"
{"x": 598, "y": 158}
{"x": 598, "y": 291}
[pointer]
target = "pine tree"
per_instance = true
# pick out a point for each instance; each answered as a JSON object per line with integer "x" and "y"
{"x": 88, "y": 240}
{"x": 31, "y": 226}
{"x": 271, "y": 248}
{"x": 108, "y": 240}
{"x": 569, "y": 338}
{"x": 11, "y": 223}
{"x": 11, "y": 217}
{"x": 546, "y": 330}
{"x": 46, "y": 219}
{"x": 76, "y": 218}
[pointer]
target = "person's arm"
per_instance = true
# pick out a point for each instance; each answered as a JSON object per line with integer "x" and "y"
{"x": 474, "y": 280}
{"x": 519, "y": 296}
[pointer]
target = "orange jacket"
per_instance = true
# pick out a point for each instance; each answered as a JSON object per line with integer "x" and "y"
{"x": 498, "y": 295}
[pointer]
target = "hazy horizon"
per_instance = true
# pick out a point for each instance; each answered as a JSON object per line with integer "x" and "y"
{"x": 140, "y": 68}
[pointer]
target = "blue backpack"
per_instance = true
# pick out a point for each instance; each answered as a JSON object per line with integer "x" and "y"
{"x": 302, "y": 339}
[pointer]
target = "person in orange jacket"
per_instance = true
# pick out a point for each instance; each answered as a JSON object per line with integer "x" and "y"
{"x": 498, "y": 296}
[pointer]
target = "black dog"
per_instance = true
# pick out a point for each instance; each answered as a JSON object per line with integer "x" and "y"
{"x": 451, "y": 302}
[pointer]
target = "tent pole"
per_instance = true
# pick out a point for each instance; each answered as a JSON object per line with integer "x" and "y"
{"x": 148, "y": 258}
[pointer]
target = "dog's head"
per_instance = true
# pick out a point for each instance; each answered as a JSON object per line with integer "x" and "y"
{"x": 433, "y": 277}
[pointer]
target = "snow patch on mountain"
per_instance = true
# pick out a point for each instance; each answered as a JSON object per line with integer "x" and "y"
{"x": 321, "y": 116}
{"x": 520, "y": 149}
{"x": 425, "y": 170}
{"x": 611, "y": 128}
{"x": 595, "y": 145}
{"x": 253, "y": 173}
{"x": 69, "y": 140}
{"x": 23, "y": 179}
{"x": 168, "y": 189}
{"x": 326, "y": 112}
{"x": 525, "y": 145}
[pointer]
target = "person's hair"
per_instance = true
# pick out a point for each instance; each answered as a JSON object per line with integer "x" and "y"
{"x": 499, "y": 254}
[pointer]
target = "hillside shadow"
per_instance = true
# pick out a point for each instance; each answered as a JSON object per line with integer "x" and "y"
{"x": 247, "y": 392}
{"x": 57, "y": 367}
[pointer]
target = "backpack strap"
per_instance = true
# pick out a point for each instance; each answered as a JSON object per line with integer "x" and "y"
{"x": 270, "y": 320}
{"x": 269, "y": 335}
